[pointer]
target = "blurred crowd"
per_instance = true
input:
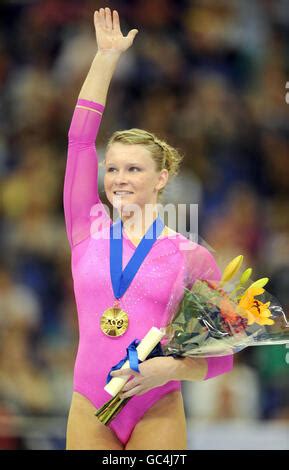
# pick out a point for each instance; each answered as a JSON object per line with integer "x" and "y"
{"x": 207, "y": 76}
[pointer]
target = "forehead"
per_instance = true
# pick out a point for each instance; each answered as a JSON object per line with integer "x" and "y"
{"x": 123, "y": 153}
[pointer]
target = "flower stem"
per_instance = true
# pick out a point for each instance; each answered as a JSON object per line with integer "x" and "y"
{"x": 111, "y": 408}
{"x": 115, "y": 410}
{"x": 106, "y": 406}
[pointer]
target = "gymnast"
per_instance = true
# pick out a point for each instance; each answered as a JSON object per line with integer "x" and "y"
{"x": 138, "y": 166}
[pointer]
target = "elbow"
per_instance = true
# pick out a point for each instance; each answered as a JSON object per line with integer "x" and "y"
{"x": 83, "y": 140}
{"x": 73, "y": 135}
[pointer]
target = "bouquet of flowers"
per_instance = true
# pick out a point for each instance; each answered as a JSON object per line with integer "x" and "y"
{"x": 215, "y": 318}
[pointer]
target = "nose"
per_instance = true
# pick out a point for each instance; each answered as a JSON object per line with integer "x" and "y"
{"x": 120, "y": 178}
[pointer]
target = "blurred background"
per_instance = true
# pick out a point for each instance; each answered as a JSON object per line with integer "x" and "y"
{"x": 210, "y": 78}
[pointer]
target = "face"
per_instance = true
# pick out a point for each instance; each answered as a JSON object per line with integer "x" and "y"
{"x": 131, "y": 176}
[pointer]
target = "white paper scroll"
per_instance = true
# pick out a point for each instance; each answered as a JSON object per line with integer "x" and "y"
{"x": 145, "y": 347}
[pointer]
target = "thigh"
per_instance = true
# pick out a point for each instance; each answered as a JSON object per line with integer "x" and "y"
{"x": 163, "y": 426}
{"x": 85, "y": 431}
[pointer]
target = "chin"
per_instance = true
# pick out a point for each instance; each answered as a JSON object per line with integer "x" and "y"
{"x": 122, "y": 201}
{"x": 121, "y": 205}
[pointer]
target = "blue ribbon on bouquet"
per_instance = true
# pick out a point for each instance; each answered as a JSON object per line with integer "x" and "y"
{"x": 132, "y": 357}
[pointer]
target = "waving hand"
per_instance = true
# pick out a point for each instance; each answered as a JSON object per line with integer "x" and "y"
{"x": 108, "y": 33}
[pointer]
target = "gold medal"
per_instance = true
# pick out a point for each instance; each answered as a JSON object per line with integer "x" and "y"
{"x": 114, "y": 321}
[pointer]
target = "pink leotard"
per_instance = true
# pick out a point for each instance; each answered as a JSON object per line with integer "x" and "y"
{"x": 151, "y": 295}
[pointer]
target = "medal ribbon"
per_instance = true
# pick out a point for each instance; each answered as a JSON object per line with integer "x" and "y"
{"x": 132, "y": 356}
{"x": 120, "y": 279}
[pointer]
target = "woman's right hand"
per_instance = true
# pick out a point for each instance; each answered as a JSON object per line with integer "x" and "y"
{"x": 108, "y": 33}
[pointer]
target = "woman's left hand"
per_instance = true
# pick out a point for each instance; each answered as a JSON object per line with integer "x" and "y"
{"x": 153, "y": 373}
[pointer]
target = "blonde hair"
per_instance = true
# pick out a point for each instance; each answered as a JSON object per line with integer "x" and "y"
{"x": 164, "y": 156}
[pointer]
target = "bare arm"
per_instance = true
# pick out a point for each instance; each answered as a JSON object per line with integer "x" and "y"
{"x": 96, "y": 84}
{"x": 188, "y": 368}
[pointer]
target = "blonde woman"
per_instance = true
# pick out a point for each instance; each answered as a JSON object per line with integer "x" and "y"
{"x": 138, "y": 167}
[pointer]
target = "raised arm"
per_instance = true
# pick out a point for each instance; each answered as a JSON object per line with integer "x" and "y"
{"x": 81, "y": 175}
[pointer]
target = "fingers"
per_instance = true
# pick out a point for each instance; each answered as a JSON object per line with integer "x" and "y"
{"x": 108, "y": 20}
{"x": 134, "y": 391}
{"x": 96, "y": 18}
{"x": 122, "y": 372}
{"x": 130, "y": 384}
{"x": 101, "y": 18}
{"x": 116, "y": 25}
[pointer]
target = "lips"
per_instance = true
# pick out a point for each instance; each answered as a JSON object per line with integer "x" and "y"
{"x": 122, "y": 193}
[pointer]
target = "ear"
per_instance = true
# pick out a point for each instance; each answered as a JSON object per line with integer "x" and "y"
{"x": 162, "y": 179}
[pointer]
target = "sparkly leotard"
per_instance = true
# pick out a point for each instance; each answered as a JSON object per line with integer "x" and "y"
{"x": 152, "y": 293}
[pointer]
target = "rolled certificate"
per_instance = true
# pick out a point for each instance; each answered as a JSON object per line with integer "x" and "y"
{"x": 145, "y": 347}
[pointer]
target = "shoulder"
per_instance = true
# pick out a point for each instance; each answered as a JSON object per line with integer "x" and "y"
{"x": 190, "y": 248}
{"x": 198, "y": 260}
{"x": 183, "y": 243}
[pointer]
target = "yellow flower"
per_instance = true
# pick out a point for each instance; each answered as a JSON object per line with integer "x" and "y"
{"x": 255, "y": 310}
{"x": 231, "y": 269}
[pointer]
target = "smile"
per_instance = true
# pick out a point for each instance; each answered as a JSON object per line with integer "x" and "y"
{"x": 122, "y": 193}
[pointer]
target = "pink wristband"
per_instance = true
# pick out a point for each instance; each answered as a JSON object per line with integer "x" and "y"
{"x": 90, "y": 104}
{"x": 219, "y": 365}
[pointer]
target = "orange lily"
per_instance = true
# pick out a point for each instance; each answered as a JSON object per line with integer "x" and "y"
{"x": 227, "y": 309}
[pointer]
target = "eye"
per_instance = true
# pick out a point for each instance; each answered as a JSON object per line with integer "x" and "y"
{"x": 110, "y": 169}
{"x": 134, "y": 167}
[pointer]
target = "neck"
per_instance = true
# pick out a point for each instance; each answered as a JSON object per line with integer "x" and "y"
{"x": 137, "y": 223}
